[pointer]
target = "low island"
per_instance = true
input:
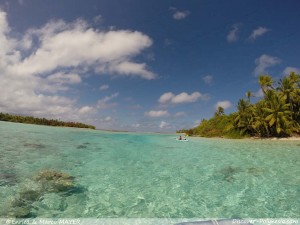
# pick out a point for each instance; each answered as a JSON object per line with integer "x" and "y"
{"x": 41, "y": 121}
{"x": 275, "y": 115}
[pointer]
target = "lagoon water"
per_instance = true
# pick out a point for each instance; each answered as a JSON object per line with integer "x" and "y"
{"x": 149, "y": 175}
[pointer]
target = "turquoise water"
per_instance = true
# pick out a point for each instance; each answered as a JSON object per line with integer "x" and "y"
{"x": 148, "y": 175}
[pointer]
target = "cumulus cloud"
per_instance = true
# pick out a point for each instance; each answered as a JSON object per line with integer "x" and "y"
{"x": 179, "y": 15}
{"x": 105, "y": 103}
{"x": 186, "y": 98}
{"x": 130, "y": 69}
{"x": 223, "y": 104}
{"x": 98, "y": 19}
{"x": 103, "y": 87}
{"x": 109, "y": 123}
{"x": 136, "y": 125}
{"x": 208, "y": 79}
{"x": 289, "y": 69}
{"x": 110, "y": 51}
{"x": 166, "y": 97}
{"x": 108, "y": 118}
{"x": 159, "y": 113}
{"x": 35, "y": 69}
{"x": 260, "y": 31}
{"x": 163, "y": 124}
{"x": 233, "y": 33}
{"x": 64, "y": 78}
{"x": 86, "y": 109}
{"x": 264, "y": 62}
{"x": 183, "y": 97}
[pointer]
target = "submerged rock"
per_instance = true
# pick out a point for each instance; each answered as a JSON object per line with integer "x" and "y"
{"x": 53, "y": 201}
{"x": 21, "y": 206}
{"x": 8, "y": 179}
{"x": 53, "y": 181}
{"x": 33, "y": 145}
{"x": 255, "y": 171}
{"x": 19, "y": 203}
{"x": 30, "y": 195}
{"x": 52, "y": 175}
{"x": 48, "y": 189}
{"x": 20, "y": 212}
{"x": 229, "y": 173}
{"x": 81, "y": 146}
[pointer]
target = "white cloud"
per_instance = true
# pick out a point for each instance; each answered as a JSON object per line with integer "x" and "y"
{"x": 159, "y": 113}
{"x": 110, "y": 51}
{"x": 52, "y": 58}
{"x": 103, "y": 87}
{"x": 131, "y": 69}
{"x": 179, "y": 114}
{"x": 223, "y": 104}
{"x": 180, "y": 15}
{"x": 233, "y": 34}
{"x": 208, "y": 79}
{"x": 136, "y": 125}
{"x": 108, "y": 118}
{"x": 166, "y": 97}
{"x": 86, "y": 109}
{"x": 64, "y": 78}
{"x": 98, "y": 19}
{"x": 109, "y": 123}
{"x": 264, "y": 62}
{"x": 258, "y": 32}
{"x": 186, "y": 98}
{"x": 6, "y": 45}
{"x": 27, "y": 94}
{"x": 163, "y": 124}
{"x": 289, "y": 69}
{"x": 183, "y": 97}
{"x": 105, "y": 103}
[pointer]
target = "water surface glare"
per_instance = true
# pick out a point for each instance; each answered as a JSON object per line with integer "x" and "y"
{"x": 146, "y": 175}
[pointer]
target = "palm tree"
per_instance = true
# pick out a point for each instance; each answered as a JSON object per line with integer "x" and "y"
{"x": 260, "y": 125}
{"x": 286, "y": 89}
{"x": 219, "y": 111}
{"x": 266, "y": 82}
{"x": 278, "y": 114}
{"x": 289, "y": 87}
{"x": 249, "y": 94}
{"x": 242, "y": 105}
{"x": 244, "y": 117}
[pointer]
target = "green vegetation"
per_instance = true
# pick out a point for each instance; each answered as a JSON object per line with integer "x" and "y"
{"x": 41, "y": 121}
{"x": 218, "y": 126}
{"x": 277, "y": 114}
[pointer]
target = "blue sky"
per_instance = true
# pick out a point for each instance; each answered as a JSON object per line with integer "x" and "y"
{"x": 141, "y": 65}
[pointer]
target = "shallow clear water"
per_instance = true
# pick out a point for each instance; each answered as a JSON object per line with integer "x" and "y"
{"x": 149, "y": 175}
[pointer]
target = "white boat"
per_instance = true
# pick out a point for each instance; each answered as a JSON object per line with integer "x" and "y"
{"x": 177, "y": 139}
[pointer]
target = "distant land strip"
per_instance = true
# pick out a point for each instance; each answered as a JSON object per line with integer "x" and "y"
{"x": 41, "y": 121}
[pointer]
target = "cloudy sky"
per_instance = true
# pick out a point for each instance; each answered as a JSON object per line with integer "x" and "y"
{"x": 141, "y": 65}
